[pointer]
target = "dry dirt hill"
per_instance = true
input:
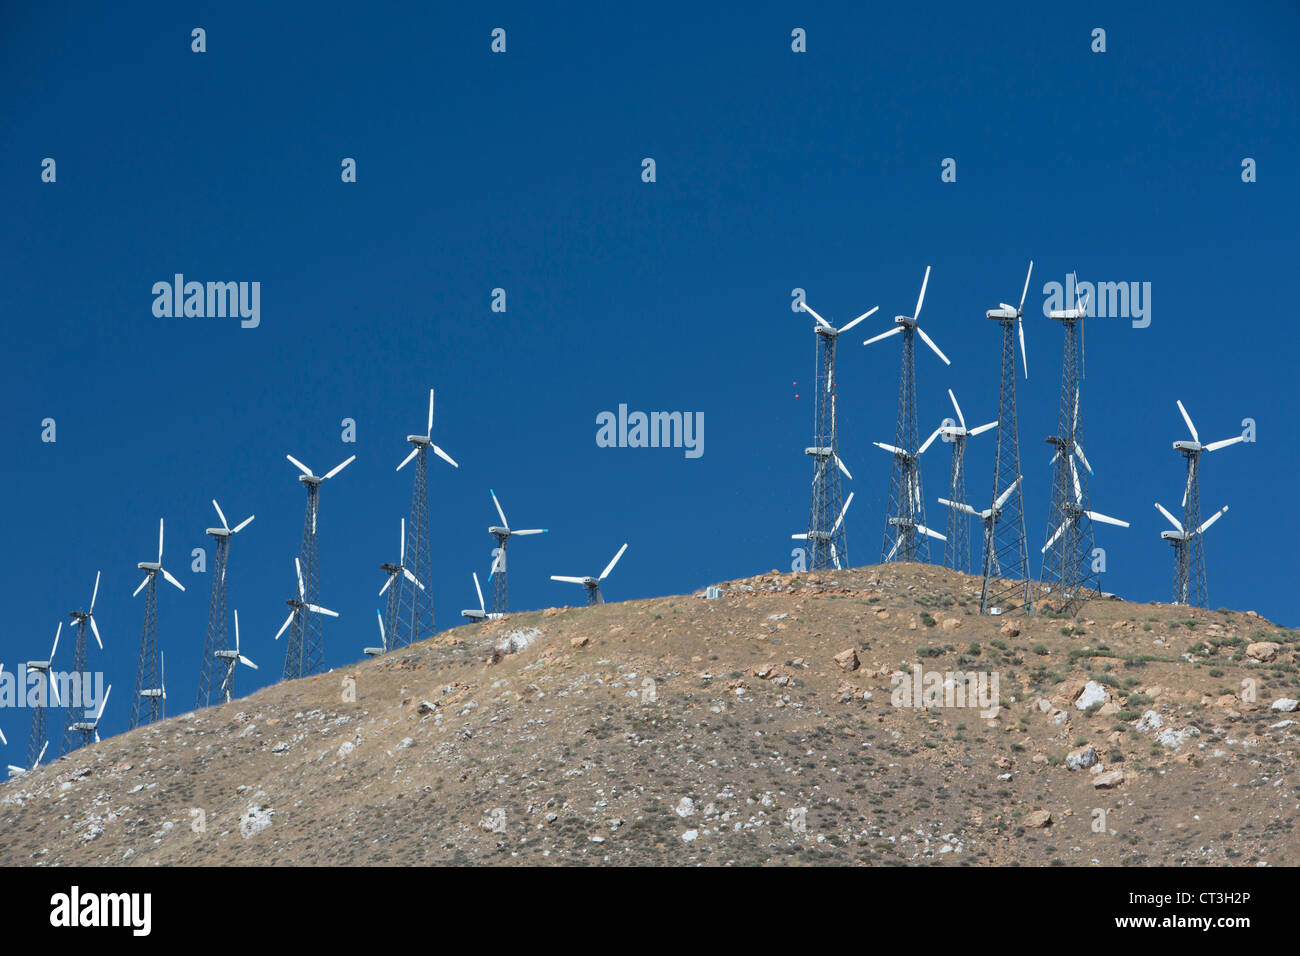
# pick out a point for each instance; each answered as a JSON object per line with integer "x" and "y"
{"x": 737, "y": 730}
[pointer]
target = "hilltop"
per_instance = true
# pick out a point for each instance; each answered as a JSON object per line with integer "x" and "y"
{"x": 755, "y": 728}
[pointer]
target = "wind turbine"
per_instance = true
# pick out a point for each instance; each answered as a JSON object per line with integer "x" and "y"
{"x": 217, "y": 636}
{"x": 1181, "y": 540}
{"x": 482, "y": 614}
{"x": 903, "y": 527}
{"x": 906, "y": 509}
{"x": 957, "y": 551}
{"x": 299, "y": 605}
{"x": 1194, "y": 588}
{"x": 503, "y": 533}
{"x": 92, "y": 726}
{"x": 593, "y": 584}
{"x": 38, "y": 733}
{"x": 828, "y": 537}
{"x": 989, "y": 517}
{"x": 1009, "y": 584}
{"x": 827, "y": 547}
{"x": 16, "y": 771}
{"x": 147, "y": 675}
{"x": 305, "y": 652}
{"x": 397, "y": 572}
{"x": 412, "y": 618}
{"x": 232, "y": 660}
{"x": 383, "y": 638}
{"x": 85, "y": 621}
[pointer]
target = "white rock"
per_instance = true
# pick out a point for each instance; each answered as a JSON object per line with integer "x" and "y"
{"x": 690, "y": 835}
{"x": 685, "y": 807}
{"x": 1285, "y": 704}
{"x": 1092, "y": 693}
{"x": 1148, "y": 722}
{"x": 1176, "y": 738}
{"x": 1081, "y": 758}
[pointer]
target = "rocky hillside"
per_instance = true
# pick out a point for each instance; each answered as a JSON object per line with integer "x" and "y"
{"x": 762, "y": 727}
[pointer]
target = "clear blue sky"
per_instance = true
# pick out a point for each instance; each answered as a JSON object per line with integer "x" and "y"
{"x": 775, "y": 170}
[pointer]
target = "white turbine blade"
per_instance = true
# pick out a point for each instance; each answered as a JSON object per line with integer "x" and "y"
{"x": 102, "y": 704}
{"x": 821, "y": 467}
{"x": 610, "y": 567}
{"x": 1172, "y": 520}
{"x": 444, "y": 456}
{"x": 960, "y": 417}
{"x": 830, "y": 379}
{"x": 889, "y": 448}
{"x": 835, "y": 556}
{"x": 1104, "y": 519}
{"x": 243, "y": 524}
{"x": 864, "y": 315}
{"x": 799, "y": 537}
{"x": 54, "y": 689}
{"x": 16, "y": 769}
{"x": 402, "y": 552}
{"x": 841, "y": 467}
{"x": 429, "y": 430}
{"x": 843, "y": 511}
{"x": 95, "y": 630}
{"x": 41, "y": 756}
{"x": 297, "y": 566}
{"x": 94, "y": 594}
{"x": 245, "y": 660}
{"x": 1020, "y": 327}
{"x": 1059, "y": 531}
{"x": 1213, "y": 518}
{"x": 1025, "y": 291}
{"x": 1002, "y": 499}
{"x": 1187, "y": 418}
{"x": 287, "y": 621}
{"x": 935, "y": 434}
{"x": 981, "y": 429}
{"x": 560, "y": 577}
{"x": 481, "y": 605}
{"x": 934, "y": 534}
{"x": 928, "y": 341}
{"x": 1074, "y": 474}
{"x": 1008, "y": 307}
{"x": 916, "y": 316}
{"x": 959, "y": 506}
{"x": 411, "y": 577}
{"x": 2, "y": 738}
{"x": 160, "y": 539}
{"x": 141, "y": 587}
{"x": 168, "y": 575}
{"x": 897, "y": 541}
{"x": 1215, "y": 445}
{"x": 386, "y": 584}
{"x": 317, "y": 609}
{"x": 531, "y": 531}
{"x": 884, "y": 335}
{"x": 504, "y": 522}
{"x": 236, "y": 630}
{"x": 301, "y": 467}
{"x": 414, "y": 451}
{"x": 57, "y": 632}
{"x": 220, "y": 515}
{"x": 339, "y": 467}
{"x": 820, "y": 321}
{"x": 1074, "y": 425}
{"x": 1078, "y": 450}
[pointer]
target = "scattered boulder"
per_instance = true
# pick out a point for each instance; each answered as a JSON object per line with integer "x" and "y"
{"x": 685, "y": 807}
{"x": 1108, "y": 779}
{"x": 1148, "y": 722}
{"x": 1009, "y": 630}
{"x": 847, "y": 660}
{"x": 1173, "y": 739}
{"x": 1038, "y": 819}
{"x": 1092, "y": 693}
{"x": 1285, "y": 704}
{"x": 950, "y": 624}
{"x": 1263, "y": 651}
{"x": 1081, "y": 757}
{"x": 579, "y": 641}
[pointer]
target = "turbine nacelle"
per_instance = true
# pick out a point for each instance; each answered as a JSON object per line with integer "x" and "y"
{"x": 1189, "y": 446}
{"x": 153, "y": 567}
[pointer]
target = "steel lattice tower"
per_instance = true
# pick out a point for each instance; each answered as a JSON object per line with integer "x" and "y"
{"x": 415, "y": 605}
{"x": 827, "y": 540}
{"x": 498, "y": 576}
{"x": 390, "y": 600}
{"x": 905, "y": 528}
{"x": 826, "y": 536}
{"x": 956, "y": 550}
{"x": 305, "y": 653}
{"x": 1006, "y": 555}
{"x": 218, "y": 636}
{"x": 146, "y": 674}
{"x": 75, "y": 735}
{"x": 1068, "y": 573}
{"x": 210, "y": 675}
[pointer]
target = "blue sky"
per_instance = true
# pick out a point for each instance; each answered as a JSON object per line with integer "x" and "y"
{"x": 522, "y": 171}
